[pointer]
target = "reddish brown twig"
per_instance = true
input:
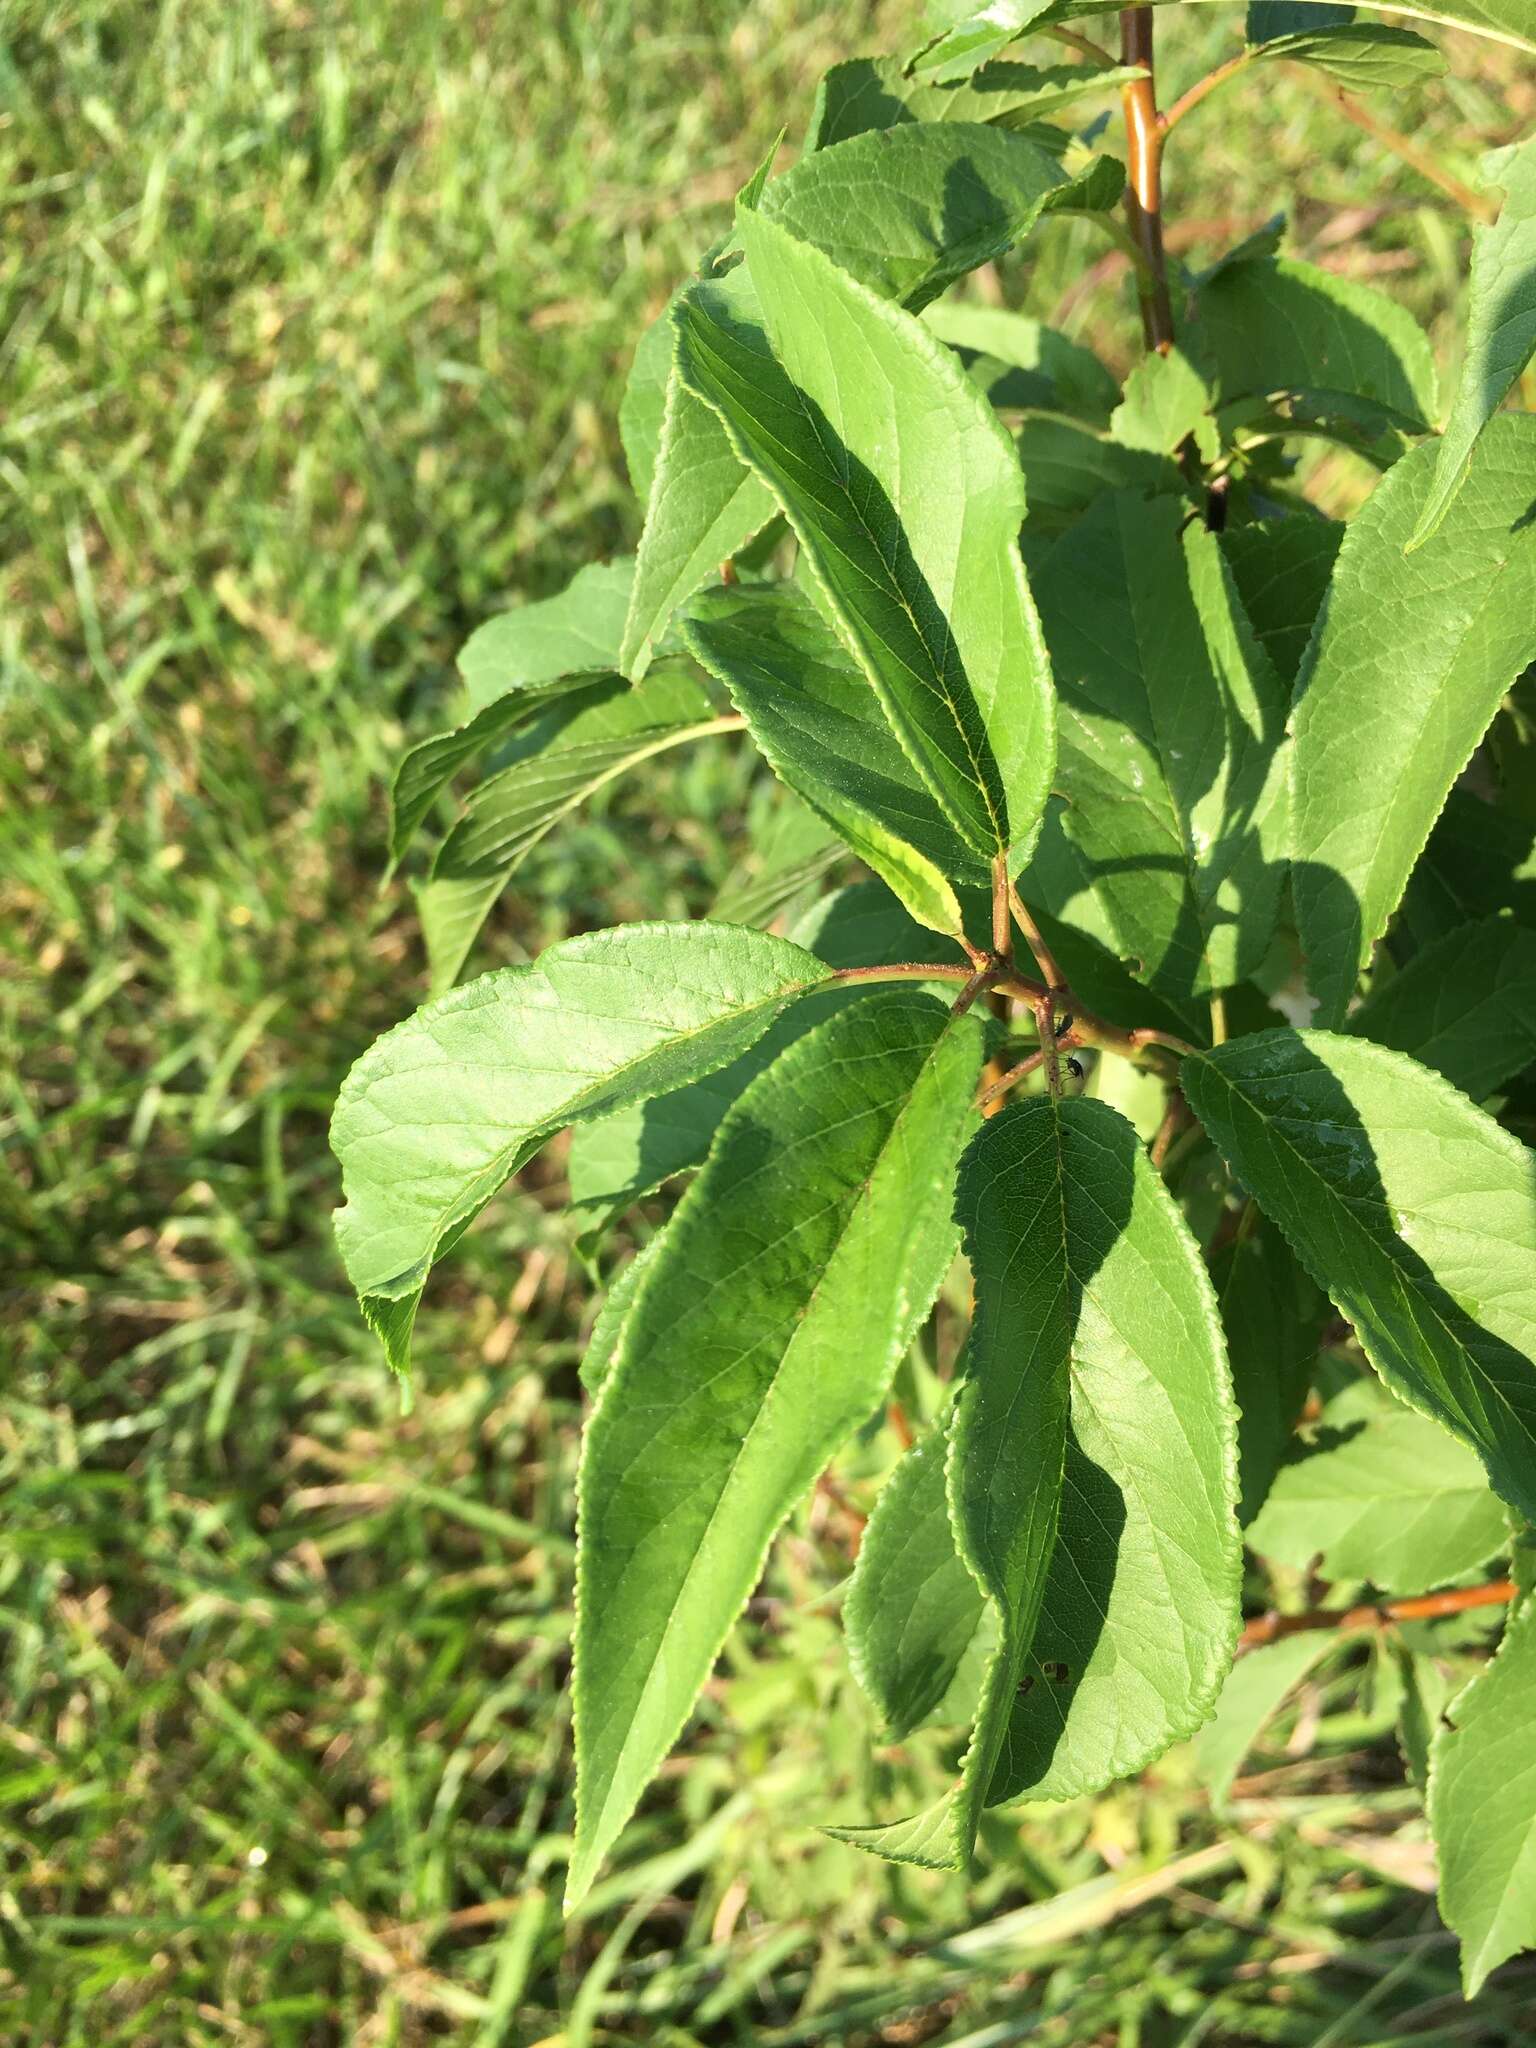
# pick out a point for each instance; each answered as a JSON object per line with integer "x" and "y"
{"x": 1269, "y": 1628}
{"x": 1144, "y": 176}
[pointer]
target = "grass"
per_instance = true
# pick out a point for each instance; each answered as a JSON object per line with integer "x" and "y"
{"x": 314, "y": 326}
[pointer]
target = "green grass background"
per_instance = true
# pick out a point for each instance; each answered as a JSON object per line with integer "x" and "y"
{"x": 314, "y": 322}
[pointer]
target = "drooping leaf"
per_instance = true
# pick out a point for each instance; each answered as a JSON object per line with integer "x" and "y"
{"x": 450, "y": 914}
{"x": 1384, "y": 1495}
{"x": 1021, "y": 363}
{"x": 1365, "y": 56}
{"x": 1407, "y": 667}
{"x": 903, "y": 491}
{"x": 1171, "y": 720}
{"x": 438, "y": 1113}
{"x": 1273, "y": 1316}
{"x": 577, "y": 631}
{"x": 427, "y": 769}
{"x": 1166, "y": 403}
{"x": 1413, "y": 1208}
{"x": 913, "y": 1608}
{"x": 909, "y": 210}
{"x": 1257, "y": 1687}
{"x": 572, "y": 742}
{"x": 1501, "y": 324}
{"x": 786, "y": 861}
{"x": 1275, "y": 326}
{"x": 1083, "y": 1266}
{"x": 1067, "y": 465}
{"x": 809, "y": 708}
{"x": 1482, "y": 1807}
{"x": 869, "y": 93}
{"x": 582, "y": 741}
{"x": 1465, "y": 1006}
{"x": 792, "y": 1277}
{"x": 616, "y": 1159}
{"x": 1281, "y": 568}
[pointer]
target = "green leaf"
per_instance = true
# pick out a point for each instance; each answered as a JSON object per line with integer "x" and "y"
{"x": 1427, "y": 1689}
{"x": 585, "y": 739}
{"x": 1501, "y": 324}
{"x": 643, "y": 407}
{"x": 1281, "y": 568}
{"x": 614, "y": 1160}
{"x": 902, "y": 489}
{"x": 870, "y": 93}
{"x": 1171, "y": 720}
{"x": 785, "y": 862}
{"x": 1408, "y": 665}
{"x": 579, "y": 630}
{"x": 427, "y": 769}
{"x": 913, "y": 1608}
{"x": 793, "y": 1276}
{"x": 864, "y": 925}
{"x": 1021, "y": 363}
{"x": 440, "y": 1111}
{"x": 1482, "y": 1807}
{"x": 1507, "y": 21}
{"x": 1084, "y": 1268}
{"x": 1384, "y": 1495}
{"x": 702, "y": 507}
{"x": 1270, "y": 18}
{"x": 1273, "y": 1316}
{"x": 1275, "y": 326}
{"x": 971, "y": 36}
{"x": 1256, "y": 1689}
{"x": 1058, "y": 887}
{"x": 1067, "y": 466}
{"x": 1465, "y": 1006}
{"x": 809, "y": 708}
{"x": 1478, "y": 860}
{"x": 1166, "y": 403}
{"x": 909, "y": 210}
{"x": 569, "y": 743}
{"x": 1148, "y": 1525}
{"x": 451, "y": 913}
{"x": 1411, "y": 1206}
{"x": 608, "y": 1328}
{"x": 906, "y": 213}
{"x": 1361, "y": 55}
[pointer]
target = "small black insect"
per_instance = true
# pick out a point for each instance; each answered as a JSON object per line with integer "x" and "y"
{"x": 1058, "y": 1674}
{"x": 1074, "y": 1068}
{"x": 1025, "y": 1688}
{"x": 1063, "y": 1024}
